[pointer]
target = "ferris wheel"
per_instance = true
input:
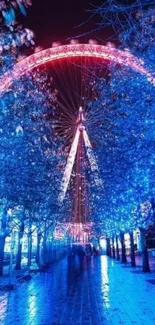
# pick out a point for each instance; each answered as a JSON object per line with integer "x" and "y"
{"x": 74, "y": 69}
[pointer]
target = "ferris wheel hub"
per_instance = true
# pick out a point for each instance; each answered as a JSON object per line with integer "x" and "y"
{"x": 81, "y": 127}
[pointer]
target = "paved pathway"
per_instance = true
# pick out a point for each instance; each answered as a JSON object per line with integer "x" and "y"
{"x": 101, "y": 292}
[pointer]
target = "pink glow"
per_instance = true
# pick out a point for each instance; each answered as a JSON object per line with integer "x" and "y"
{"x": 73, "y": 50}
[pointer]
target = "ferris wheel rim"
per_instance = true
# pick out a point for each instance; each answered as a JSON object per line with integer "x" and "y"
{"x": 105, "y": 52}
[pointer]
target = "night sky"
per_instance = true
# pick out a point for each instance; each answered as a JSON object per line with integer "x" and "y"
{"x": 57, "y": 20}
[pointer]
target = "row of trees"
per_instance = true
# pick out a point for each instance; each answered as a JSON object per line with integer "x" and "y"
{"x": 125, "y": 107}
{"x": 30, "y": 166}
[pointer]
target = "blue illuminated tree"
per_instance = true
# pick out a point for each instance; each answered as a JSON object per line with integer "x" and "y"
{"x": 30, "y": 162}
{"x": 125, "y": 138}
{"x": 9, "y": 8}
{"x": 30, "y": 173}
{"x": 124, "y": 133}
{"x": 118, "y": 16}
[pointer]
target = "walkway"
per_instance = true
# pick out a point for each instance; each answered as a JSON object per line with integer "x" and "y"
{"x": 102, "y": 292}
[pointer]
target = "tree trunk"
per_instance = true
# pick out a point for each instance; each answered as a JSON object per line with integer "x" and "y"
{"x": 132, "y": 250}
{"x": 3, "y": 235}
{"x": 123, "y": 259}
{"x": 98, "y": 239}
{"x": 19, "y": 251}
{"x": 29, "y": 238}
{"x": 117, "y": 250}
{"x": 146, "y": 266}
{"x": 29, "y": 249}
{"x": 113, "y": 249}
{"x": 45, "y": 257}
{"x": 11, "y": 259}
{"x": 38, "y": 249}
{"x": 108, "y": 248}
{"x": 2, "y": 245}
{"x": 145, "y": 258}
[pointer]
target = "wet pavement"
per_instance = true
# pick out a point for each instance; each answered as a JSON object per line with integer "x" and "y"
{"x": 100, "y": 291}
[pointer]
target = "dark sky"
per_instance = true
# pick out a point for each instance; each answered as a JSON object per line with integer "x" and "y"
{"x": 57, "y": 20}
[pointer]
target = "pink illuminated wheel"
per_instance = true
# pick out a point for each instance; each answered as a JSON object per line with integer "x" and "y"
{"x": 69, "y": 51}
{"x": 74, "y": 69}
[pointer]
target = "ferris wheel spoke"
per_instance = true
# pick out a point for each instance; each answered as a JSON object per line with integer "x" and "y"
{"x": 92, "y": 159}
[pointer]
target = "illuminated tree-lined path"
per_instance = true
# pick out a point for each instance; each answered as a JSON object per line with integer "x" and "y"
{"x": 77, "y": 170}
